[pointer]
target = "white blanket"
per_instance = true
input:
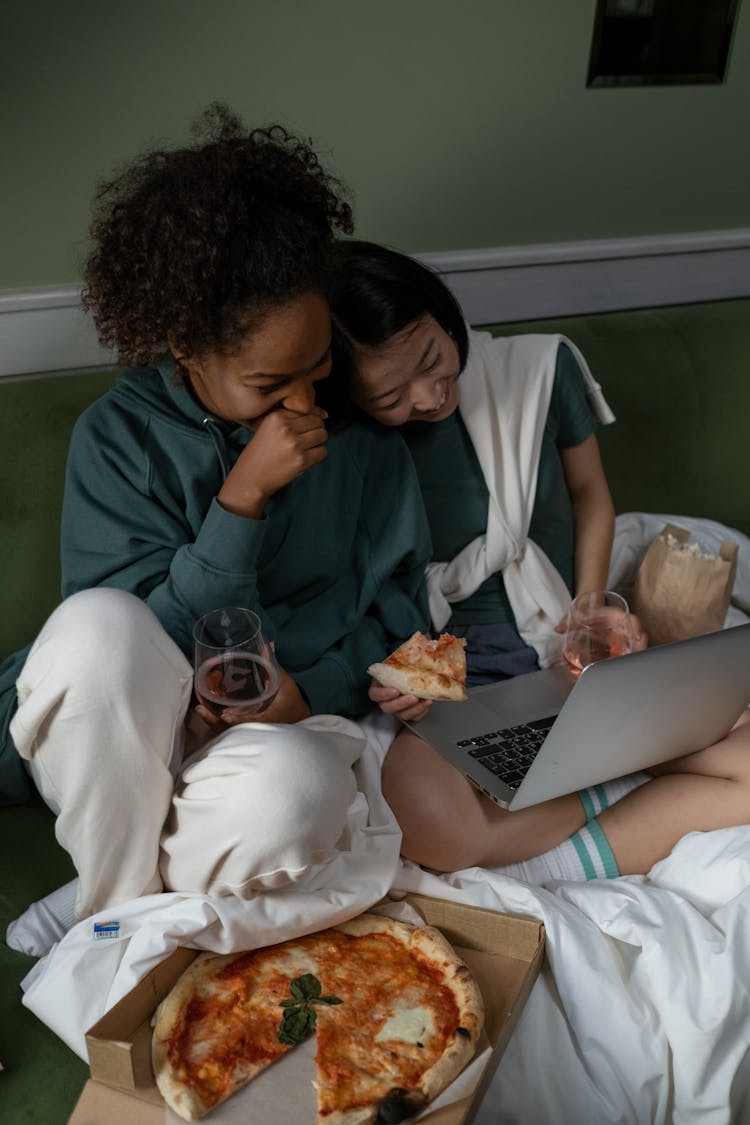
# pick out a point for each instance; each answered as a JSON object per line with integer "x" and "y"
{"x": 641, "y": 1015}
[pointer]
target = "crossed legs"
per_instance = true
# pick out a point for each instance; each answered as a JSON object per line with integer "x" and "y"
{"x": 102, "y": 703}
{"x": 448, "y": 825}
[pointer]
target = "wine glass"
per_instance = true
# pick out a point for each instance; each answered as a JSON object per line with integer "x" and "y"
{"x": 236, "y": 672}
{"x": 599, "y": 627}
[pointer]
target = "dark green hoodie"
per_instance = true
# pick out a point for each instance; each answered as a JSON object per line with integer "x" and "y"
{"x": 336, "y": 562}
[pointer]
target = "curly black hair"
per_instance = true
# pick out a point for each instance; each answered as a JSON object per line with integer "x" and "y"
{"x": 193, "y": 246}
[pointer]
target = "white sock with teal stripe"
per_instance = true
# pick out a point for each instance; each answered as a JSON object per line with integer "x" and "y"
{"x": 597, "y": 798}
{"x": 586, "y": 854}
{"x": 594, "y": 853}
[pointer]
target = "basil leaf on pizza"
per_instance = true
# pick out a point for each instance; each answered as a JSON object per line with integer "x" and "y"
{"x": 402, "y": 1019}
{"x": 428, "y": 667}
{"x": 299, "y": 1019}
{"x": 306, "y": 987}
{"x": 298, "y": 1023}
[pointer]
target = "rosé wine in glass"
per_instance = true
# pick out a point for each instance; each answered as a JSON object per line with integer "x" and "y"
{"x": 236, "y": 673}
{"x": 240, "y": 680}
{"x": 599, "y": 627}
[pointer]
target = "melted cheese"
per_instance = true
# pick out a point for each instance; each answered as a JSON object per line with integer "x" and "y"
{"x": 410, "y": 1025}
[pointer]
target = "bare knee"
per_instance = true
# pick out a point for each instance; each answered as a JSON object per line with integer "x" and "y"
{"x": 448, "y": 825}
{"x": 727, "y": 759}
{"x": 437, "y": 809}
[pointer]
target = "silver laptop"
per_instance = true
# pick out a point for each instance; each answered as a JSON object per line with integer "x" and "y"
{"x": 524, "y": 740}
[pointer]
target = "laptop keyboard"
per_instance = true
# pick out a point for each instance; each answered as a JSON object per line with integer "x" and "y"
{"x": 509, "y": 753}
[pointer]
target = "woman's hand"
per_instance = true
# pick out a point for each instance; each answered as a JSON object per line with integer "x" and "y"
{"x": 283, "y": 447}
{"x": 408, "y": 708}
{"x": 638, "y": 633}
{"x": 289, "y": 706}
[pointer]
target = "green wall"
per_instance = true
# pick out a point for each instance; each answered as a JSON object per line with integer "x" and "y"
{"x": 456, "y": 125}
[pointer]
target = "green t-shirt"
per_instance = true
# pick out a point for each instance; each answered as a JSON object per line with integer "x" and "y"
{"x": 457, "y": 500}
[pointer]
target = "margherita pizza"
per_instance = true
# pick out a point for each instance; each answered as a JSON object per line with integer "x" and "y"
{"x": 396, "y": 1013}
{"x": 426, "y": 667}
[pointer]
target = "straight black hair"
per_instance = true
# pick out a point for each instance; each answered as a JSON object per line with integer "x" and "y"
{"x": 375, "y": 292}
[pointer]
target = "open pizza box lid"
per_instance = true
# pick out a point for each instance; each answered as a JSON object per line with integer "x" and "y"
{"x": 504, "y": 952}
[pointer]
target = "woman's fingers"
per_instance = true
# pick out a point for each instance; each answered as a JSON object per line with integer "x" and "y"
{"x": 409, "y": 708}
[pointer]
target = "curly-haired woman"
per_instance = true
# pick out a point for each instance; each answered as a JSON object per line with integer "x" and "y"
{"x": 208, "y": 477}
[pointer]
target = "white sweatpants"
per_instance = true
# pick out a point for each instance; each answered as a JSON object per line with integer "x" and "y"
{"x": 103, "y": 699}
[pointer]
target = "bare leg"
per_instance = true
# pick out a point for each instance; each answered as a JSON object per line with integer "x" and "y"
{"x": 703, "y": 791}
{"x": 448, "y": 825}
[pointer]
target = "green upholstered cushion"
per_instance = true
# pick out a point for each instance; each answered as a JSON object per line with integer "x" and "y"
{"x": 677, "y": 381}
{"x": 36, "y": 418}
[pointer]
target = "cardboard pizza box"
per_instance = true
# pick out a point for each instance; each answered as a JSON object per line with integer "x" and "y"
{"x": 504, "y": 952}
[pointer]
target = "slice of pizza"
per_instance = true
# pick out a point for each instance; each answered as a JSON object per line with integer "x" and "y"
{"x": 411, "y": 1022}
{"x": 396, "y": 1013}
{"x": 218, "y": 1028}
{"x": 431, "y": 668}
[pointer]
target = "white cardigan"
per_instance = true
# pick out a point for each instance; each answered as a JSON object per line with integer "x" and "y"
{"x": 505, "y": 393}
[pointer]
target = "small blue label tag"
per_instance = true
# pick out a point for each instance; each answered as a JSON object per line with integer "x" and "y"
{"x": 106, "y": 929}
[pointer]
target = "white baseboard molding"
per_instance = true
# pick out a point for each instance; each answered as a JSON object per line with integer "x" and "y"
{"x": 45, "y": 330}
{"x": 608, "y": 275}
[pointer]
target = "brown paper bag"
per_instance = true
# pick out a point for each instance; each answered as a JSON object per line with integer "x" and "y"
{"x": 680, "y": 590}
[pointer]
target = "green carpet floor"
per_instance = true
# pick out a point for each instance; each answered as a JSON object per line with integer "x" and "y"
{"x": 42, "y": 1078}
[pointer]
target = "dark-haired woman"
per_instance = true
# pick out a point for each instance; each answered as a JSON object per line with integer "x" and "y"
{"x": 519, "y": 508}
{"x": 209, "y": 477}
{"x": 502, "y": 435}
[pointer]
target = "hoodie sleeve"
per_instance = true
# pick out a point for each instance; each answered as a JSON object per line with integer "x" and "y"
{"x": 122, "y": 528}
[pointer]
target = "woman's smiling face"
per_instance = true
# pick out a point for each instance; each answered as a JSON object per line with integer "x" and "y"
{"x": 276, "y": 365}
{"x": 413, "y": 377}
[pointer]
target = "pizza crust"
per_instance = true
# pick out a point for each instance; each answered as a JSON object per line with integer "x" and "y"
{"x": 168, "y": 1020}
{"x": 417, "y": 681}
